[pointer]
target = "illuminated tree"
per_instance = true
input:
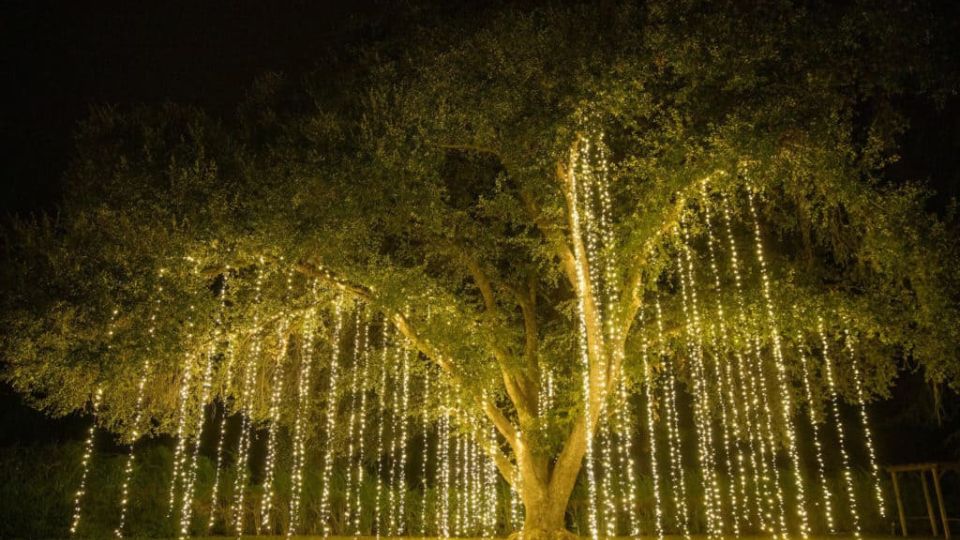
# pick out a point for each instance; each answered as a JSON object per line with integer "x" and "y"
{"x": 437, "y": 185}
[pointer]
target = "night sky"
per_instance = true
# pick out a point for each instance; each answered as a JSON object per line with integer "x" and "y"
{"x": 60, "y": 58}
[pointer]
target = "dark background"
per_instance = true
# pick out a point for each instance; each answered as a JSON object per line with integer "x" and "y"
{"x": 59, "y": 59}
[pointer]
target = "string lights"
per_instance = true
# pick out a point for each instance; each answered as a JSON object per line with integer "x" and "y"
{"x": 649, "y": 388}
{"x": 677, "y": 480}
{"x": 85, "y": 463}
{"x": 382, "y": 411}
{"x": 333, "y": 399}
{"x": 276, "y": 395}
{"x": 229, "y": 356}
{"x": 249, "y": 379}
{"x": 864, "y": 421}
{"x": 303, "y": 408}
{"x": 138, "y": 412}
{"x": 786, "y": 409}
{"x": 826, "y": 495}
{"x": 841, "y": 438}
{"x": 180, "y": 452}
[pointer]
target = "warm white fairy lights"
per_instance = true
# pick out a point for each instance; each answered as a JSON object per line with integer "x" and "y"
{"x": 443, "y": 470}
{"x": 838, "y": 424}
{"x": 249, "y": 380}
{"x": 138, "y": 413}
{"x": 180, "y": 452}
{"x": 753, "y": 407}
{"x": 425, "y": 426}
{"x": 85, "y": 463}
{"x": 190, "y": 474}
{"x": 726, "y": 395}
{"x": 228, "y": 358}
{"x": 649, "y": 382}
{"x": 358, "y": 421}
{"x": 583, "y": 347}
{"x": 333, "y": 397}
{"x": 812, "y": 409}
{"x": 786, "y": 409}
{"x": 608, "y": 504}
{"x": 381, "y": 411}
{"x": 398, "y": 522}
{"x": 864, "y": 421}
{"x": 304, "y": 388}
{"x": 276, "y": 395}
{"x": 677, "y": 480}
{"x": 702, "y": 424}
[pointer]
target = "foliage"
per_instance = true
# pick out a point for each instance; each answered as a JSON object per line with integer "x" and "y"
{"x": 428, "y": 183}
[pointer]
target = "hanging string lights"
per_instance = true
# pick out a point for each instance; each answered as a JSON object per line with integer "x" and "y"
{"x": 333, "y": 400}
{"x": 649, "y": 386}
{"x": 304, "y": 388}
{"x": 184, "y": 395}
{"x": 85, "y": 463}
{"x": 138, "y": 412}
{"x": 677, "y": 480}
{"x": 398, "y": 522}
{"x": 249, "y": 379}
{"x": 826, "y": 495}
{"x": 382, "y": 412}
{"x": 838, "y": 423}
{"x": 229, "y": 356}
{"x": 357, "y": 419}
{"x": 864, "y": 420}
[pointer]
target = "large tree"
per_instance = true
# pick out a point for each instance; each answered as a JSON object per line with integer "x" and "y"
{"x": 439, "y": 178}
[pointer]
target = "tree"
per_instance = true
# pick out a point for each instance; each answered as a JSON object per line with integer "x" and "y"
{"x": 441, "y": 185}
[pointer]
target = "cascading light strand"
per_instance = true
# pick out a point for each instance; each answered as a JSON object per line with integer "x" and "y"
{"x": 362, "y": 429}
{"x": 246, "y": 394}
{"x": 606, "y": 477}
{"x": 726, "y": 396}
{"x": 85, "y": 463}
{"x": 583, "y": 347}
{"x": 677, "y": 480}
{"x": 825, "y": 493}
{"x": 228, "y": 360}
{"x": 304, "y": 388}
{"x": 838, "y": 424}
{"x": 382, "y": 411}
{"x": 786, "y": 409}
{"x": 190, "y": 475}
{"x": 752, "y": 409}
{"x": 276, "y": 396}
{"x": 180, "y": 452}
{"x": 333, "y": 400}
{"x": 649, "y": 386}
{"x": 864, "y": 420}
{"x": 401, "y": 487}
{"x": 425, "y": 426}
{"x": 354, "y": 398}
{"x": 702, "y": 405}
{"x": 145, "y": 369}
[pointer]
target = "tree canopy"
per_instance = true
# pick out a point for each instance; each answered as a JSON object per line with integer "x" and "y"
{"x": 431, "y": 177}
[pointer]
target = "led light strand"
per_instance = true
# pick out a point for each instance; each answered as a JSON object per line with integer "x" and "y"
{"x": 354, "y": 398}
{"x": 826, "y": 495}
{"x": 249, "y": 379}
{"x": 443, "y": 471}
{"x": 180, "y": 452}
{"x": 402, "y": 475}
{"x": 333, "y": 400}
{"x": 753, "y": 409}
{"x": 701, "y": 397}
{"x": 649, "y": 389}
{"x": 677, "y": 480}
{"x": 221, "y": 438}
{"x": 138, "y": 413}
{"x": 838, "y": 423}
{"x": 382, "y": 411}
{"x": 186, "y": 511}
{"x": 393, "y": 453}
{"x": 786, "y": 409}
{"x": 304, "y": 388}
{"x": 606, "y": 478}
{"x": 276, "y": 396}
{"x": 865, "y": 421}
{"x": 85, "y": 463}
{"x": 583, "y": 346}
{"x": 425, "y": 425}
{"x": 724, "y": 380}
{"x": 364, "y": 356}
